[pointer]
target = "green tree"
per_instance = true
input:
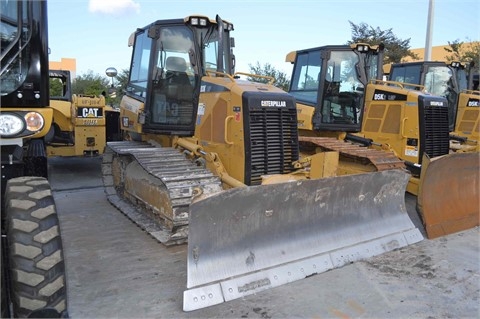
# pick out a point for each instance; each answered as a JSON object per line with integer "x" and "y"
{"x": 122, "y": 81}
{"x": 90, "y": 84}
{"x": 56, "y": 87}
{"x": 463, "y": 52}
{"x": 281, "y": 79}
{"x": 395, "y": 48}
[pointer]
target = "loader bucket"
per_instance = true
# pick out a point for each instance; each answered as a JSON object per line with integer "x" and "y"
{"x": 249, "y": 239}
{"x": 448, "y": 194}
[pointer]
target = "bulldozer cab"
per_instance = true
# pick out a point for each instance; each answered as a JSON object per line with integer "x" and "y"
{"x": 332, "y": 79}
{"x": 438, "y": 78}
{"x": 182, "y": 86}
{"x": 453, "y": 81}
{"x": 169, "y": 59}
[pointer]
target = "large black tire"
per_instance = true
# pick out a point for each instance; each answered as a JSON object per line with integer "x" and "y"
{"x": 36, "y": 261}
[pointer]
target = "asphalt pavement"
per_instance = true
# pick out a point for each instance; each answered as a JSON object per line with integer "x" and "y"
{"x": 115, "y": 270}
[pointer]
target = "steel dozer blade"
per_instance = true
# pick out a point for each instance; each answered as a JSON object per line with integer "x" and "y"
{"x": 448, "y": 194}
{"x": 246, "y": 240}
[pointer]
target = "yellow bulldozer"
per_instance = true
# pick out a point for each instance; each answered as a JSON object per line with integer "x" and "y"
{"x": 341, "y": 95}
{"x": 213, "y": 160}
{"x": 454, "y": 81}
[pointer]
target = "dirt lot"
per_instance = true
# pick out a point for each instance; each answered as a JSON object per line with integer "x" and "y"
{"x": 115, "y": 270}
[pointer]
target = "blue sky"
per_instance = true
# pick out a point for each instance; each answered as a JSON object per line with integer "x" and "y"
{"x": 95, "y": 32}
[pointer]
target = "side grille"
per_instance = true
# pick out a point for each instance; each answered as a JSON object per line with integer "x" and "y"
{"x": 272, "y": 140}
{"x": 435, "y": 129}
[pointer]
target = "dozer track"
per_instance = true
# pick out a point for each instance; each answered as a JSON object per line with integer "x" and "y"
{"x": 380, "y": 159}
{"x": 160, "y": 182}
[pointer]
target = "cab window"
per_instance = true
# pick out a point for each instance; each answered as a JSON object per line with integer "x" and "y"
{"x": 305, "y": 80}
{"x": 139, "y": 69}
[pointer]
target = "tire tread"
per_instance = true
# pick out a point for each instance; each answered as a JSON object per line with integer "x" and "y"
{"x": 35, "y": 246}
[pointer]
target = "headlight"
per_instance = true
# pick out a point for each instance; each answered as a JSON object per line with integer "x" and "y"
{"x": 362, "y": 48}
{"x": 198, "y": 21}
{"x": 34, "y": 121}
{"x": 11, "y": 124}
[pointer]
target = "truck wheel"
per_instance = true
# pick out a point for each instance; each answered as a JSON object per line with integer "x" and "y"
{"x": 35, "y": 253}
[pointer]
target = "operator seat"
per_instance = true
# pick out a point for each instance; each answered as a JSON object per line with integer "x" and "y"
{"x": 178, "y": 93}
{"x": 176, "y": 70}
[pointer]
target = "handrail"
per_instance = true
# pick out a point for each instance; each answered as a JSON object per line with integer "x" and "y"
{"x": 270, "y": 78}
{"x": 210, "y": 73}
{"x": 225, "y": 136}
{"x": 402, "y": 85}
{"x": 403, "y": 127}
{"x": 474, "y": 92}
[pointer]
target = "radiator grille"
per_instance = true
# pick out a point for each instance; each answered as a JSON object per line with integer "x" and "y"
{"x": 273, "y": 141}
{"x": 436, "y": 132}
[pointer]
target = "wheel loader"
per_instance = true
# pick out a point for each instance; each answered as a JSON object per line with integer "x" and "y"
{"x": 340, "y": 96}
{"x": 33, "y": 269}
{"x": 212, "y": 160}
{"x": 454, "y": 81}
{"x": 82, "y": 124}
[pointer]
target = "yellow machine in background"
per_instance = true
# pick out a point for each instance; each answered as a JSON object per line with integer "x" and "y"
{"x": 467, "y": 124}
{"x": 82, "y": 124}
{"x": 453, "y": 81}
{"x": 329, "y": 94}
{"x": 214, "y": 160}
{"x": 339, "y": 94}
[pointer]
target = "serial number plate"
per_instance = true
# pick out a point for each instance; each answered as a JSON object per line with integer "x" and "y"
{"x": 90, "y": 122}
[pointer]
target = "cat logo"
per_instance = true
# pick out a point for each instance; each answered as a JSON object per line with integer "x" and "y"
{"x": 89, "y": 112}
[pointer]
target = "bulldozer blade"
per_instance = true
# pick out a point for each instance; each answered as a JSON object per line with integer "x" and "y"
{"x": 246, "y": 240}
{"x": 448, "y": 194}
